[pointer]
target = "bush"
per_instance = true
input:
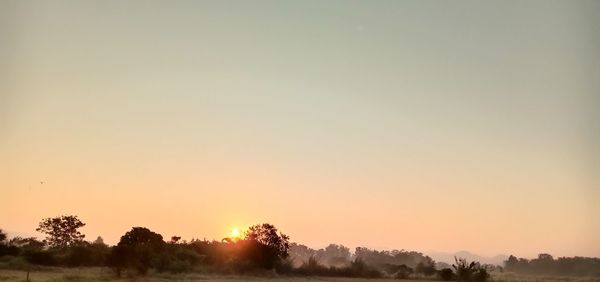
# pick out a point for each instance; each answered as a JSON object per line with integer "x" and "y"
{"x": 177, "y": 259}
{"x": 446, "y": 274}
{"x": 285, "y": 266}
{"x": 357, "y": 268}
{"x": 15, "y": 263}
{"x": 86, "y": 255}
{"x": 8, "y": 250}
{"x": 312, "y": 267}
{"x": 41, "y": 257}
{"x": 480, "y": 275}
{"x": 172, "y": 264}
{"x": 403, "y": 272}
{"x": 427, "y": 269}
{"x": 469, "y": 271}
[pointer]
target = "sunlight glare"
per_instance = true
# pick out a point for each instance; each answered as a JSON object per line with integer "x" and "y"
{"x": 235, "y": 233}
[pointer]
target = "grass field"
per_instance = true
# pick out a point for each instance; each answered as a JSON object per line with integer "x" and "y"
{"x": 104, "y": 274}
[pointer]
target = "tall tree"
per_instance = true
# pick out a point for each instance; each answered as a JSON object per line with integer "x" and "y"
{"x": 266, "y": 234}
{"x": 62, "y": 230}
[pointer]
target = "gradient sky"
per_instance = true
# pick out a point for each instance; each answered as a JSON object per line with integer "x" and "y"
{"x": 423, "y": 125}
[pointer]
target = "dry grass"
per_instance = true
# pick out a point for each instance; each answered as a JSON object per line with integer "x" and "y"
{"x": 510, "y": 277}
{"x": 104, "y": 274}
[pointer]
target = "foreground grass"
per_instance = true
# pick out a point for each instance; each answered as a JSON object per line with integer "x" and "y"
{"x": 511, "y": 277}
{"x": 104, "y": 274}
{"x": 92, "y": 274}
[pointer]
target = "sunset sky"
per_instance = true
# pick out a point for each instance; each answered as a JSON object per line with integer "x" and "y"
{"x": 418, "y": 125}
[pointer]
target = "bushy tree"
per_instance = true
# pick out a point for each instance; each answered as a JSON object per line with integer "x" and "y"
{"x": 446, "y": 274}
{"x": 332, "y": 255}
{"x": 426, "y": 268}
{"x": 545, "y": 264}
{"x": 356, "y": 268}
{"x": 379, "y": 259}
{"x": 28, "y": 243}
{"x": 465, "y": 271}
{"x": 335, "y": 255}
{"x": 86, "y": 254}
{"x": 136, "y": 249}
{"x": 403, "y": 272}
{"x": 263, "y": 246}
{"x": 5, "y": 247}
{"x": 61, "y": 231}
{"x": 99, "y": 241}
{"x": 266, "y": 234}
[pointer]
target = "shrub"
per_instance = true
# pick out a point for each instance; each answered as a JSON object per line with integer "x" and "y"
{"x": 312, "y": 267}
{"x": 15, "y": 263}
{"x": 177, "y": 259}
{"x": 86, "y": 254}
{"x": 469, "y": 271}
{"x": 426, "y": 268}
{"x": 358, "y": 268}
{"x": 285, "y": 266}
{"x": 446, "y": 274}
{"x": 41, "y": 257}
{"x": 403, "y": 272}
{"x": 8, "y": 250}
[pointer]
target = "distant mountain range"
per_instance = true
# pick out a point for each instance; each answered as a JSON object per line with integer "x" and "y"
{"x": 449, "y": 257}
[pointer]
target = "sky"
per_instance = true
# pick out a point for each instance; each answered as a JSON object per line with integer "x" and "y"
{"x": 418, "y": 125}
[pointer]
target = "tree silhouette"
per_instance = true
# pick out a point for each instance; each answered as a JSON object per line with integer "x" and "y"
{"x": 469, "y": 271}
{"x": 446, "y": 274}
{"x": 61, "y": 230}
{"x": 263, "y": 246}
{"x": 99, "y": 241}
{"x": 547, "y": 265}
{"x": 136, "y": 249}
{"x": 5, "y": 247}
{"x": 175, "y": 239}
{"x": 267, "y": 235}
{"x": 426, "y": 268}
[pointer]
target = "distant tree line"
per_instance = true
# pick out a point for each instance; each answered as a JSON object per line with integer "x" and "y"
{"x": 545, "y": 264}
{"x": 261, "y": 249}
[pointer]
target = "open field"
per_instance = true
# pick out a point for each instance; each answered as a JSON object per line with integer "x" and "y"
{"x": 104, "y": 274}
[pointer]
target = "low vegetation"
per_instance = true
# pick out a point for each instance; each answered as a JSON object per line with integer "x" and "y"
{"x": 545, "y": 264}
{"x": 261, "y": 250}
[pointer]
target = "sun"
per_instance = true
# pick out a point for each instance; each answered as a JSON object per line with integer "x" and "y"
{"x": 235, "y": 233}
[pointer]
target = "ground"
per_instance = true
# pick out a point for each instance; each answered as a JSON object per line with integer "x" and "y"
{"x": 104, "y": 274}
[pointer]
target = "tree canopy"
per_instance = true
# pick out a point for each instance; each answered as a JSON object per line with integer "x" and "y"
{"x": 61, "y": 231}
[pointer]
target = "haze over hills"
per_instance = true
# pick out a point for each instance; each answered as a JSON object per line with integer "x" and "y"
{"x": 449, "y": 257}
{"x": 444, "y": 257}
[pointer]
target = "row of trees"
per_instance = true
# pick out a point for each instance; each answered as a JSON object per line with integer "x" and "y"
{"x": 339, "y": 255}
{"x": 545, "y": 264}
{"x": 261, "y": 248}
{"x": 140, "y": 249}
{"x": 335, "y": 259}
{"x": 332, "y": 255}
